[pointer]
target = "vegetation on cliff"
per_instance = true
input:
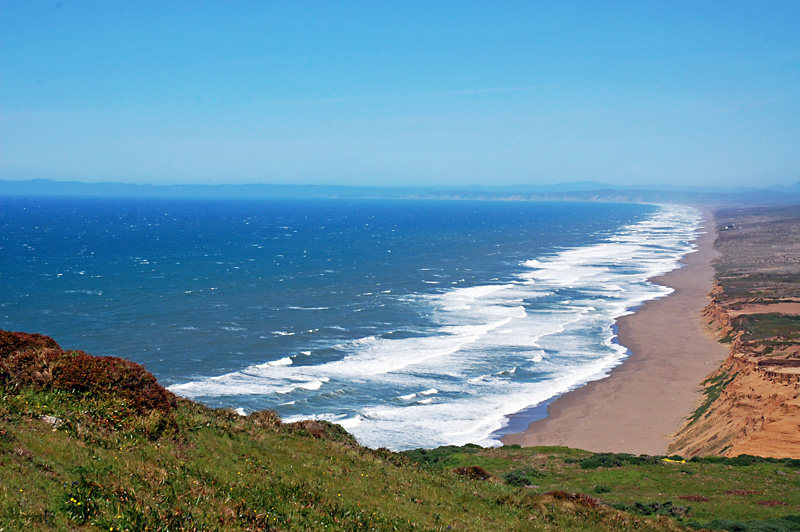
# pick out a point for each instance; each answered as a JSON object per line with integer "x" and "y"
{"x": 80, "y": 449}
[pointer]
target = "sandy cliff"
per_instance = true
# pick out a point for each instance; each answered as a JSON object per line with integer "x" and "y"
{"x": 751, "y": 408}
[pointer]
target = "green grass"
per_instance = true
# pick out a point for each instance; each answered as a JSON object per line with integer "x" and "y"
{"x": 768, "y": 326}
{"x": 790, "y": 523}
{"x": 712, "y": 388}
{"x": 105, "y": 467}
{"x": 81, "y": 450}
{"x": 711, "y": 488}
{"x": 745, "y": 281}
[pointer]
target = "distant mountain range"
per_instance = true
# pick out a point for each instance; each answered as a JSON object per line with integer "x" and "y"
{"x": 574, "y": 191}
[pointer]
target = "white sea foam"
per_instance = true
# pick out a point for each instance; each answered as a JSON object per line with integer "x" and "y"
{"x": 536, "y": 356}
{"x": 313, "y": 385}
{"x": 349, "y": 423}
{"x": 497, "y": 348}
{"x": 286, "y": 361}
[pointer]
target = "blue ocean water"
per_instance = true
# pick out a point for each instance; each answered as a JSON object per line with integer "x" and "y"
{"x": 411, "y": 323}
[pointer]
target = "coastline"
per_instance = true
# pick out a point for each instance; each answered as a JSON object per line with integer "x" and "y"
{"x": 647, "y": 398}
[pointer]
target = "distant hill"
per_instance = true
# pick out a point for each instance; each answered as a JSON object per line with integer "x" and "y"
{"x": 574, "y": 191}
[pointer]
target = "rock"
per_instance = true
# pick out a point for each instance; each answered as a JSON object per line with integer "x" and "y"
{"x": 53, "y": 421}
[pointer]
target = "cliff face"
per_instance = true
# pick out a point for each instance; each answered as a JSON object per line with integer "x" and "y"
{"x": 750, "y": 409}
{"x": 716, "y": 319}
{"x": 752, "y": 403}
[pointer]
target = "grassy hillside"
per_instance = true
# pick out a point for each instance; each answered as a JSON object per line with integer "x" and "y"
{"x": 694, "y": 492}
{"x": 80, "y": 449}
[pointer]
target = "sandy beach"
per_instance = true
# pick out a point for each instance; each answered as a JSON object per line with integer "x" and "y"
{"x": 649, "y": 396}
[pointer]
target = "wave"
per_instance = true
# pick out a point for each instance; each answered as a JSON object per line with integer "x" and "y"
{"x": 551, "y": 326}
{"x": 286, "y": 361}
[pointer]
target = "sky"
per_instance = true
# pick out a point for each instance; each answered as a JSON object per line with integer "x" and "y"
{"x": 401, "y": 93}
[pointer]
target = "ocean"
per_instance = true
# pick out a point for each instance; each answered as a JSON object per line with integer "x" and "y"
{"x": 411, "y": 323}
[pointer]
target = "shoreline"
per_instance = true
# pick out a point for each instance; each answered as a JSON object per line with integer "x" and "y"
{"x": 647, "y": 398}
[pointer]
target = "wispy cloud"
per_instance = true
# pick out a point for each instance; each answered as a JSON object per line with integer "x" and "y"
{"x": 488, "y": 90}
{"x": 749, "y": 106}
{"x": 410, "y": 95}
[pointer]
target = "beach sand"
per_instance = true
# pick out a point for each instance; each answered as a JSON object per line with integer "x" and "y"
{"x": 648, "y": 397}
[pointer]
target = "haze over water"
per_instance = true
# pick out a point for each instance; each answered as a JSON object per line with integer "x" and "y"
{"x": 411, "y": 323}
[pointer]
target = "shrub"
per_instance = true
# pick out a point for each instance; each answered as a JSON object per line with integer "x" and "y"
{"x": 617, "y": 460}
{"x": 10, "y": 342}
{"x": 789, "y": 523}
{"x": 654, "y": 508}
{"x": 105, "y": 376}
{"x": 440, "y": 454}
{"x": 744, "y": 460}
{"x": 472, "y": 472}
{"x": 26, "y": 359}
{"x": 522, "y": 477}
{"x": 38, "y": 361}
{"x": 265, "y": 419}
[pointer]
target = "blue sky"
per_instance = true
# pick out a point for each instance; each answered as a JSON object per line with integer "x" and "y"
{"x": 401, "y": 93}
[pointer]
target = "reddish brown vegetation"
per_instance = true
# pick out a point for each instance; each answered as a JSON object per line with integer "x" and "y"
{"x": 772, "y": 503}
{"x": 743, "y": 492}
{"x": 472, "y": 472}
{"x": 18, "y": 341}
{"x": 578, "y": 498}
{"x": 37, "y": 360}
{"x": 84, "y": 373}
{"x": 695, "y": 498}
{"x": 27, "y": 358}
